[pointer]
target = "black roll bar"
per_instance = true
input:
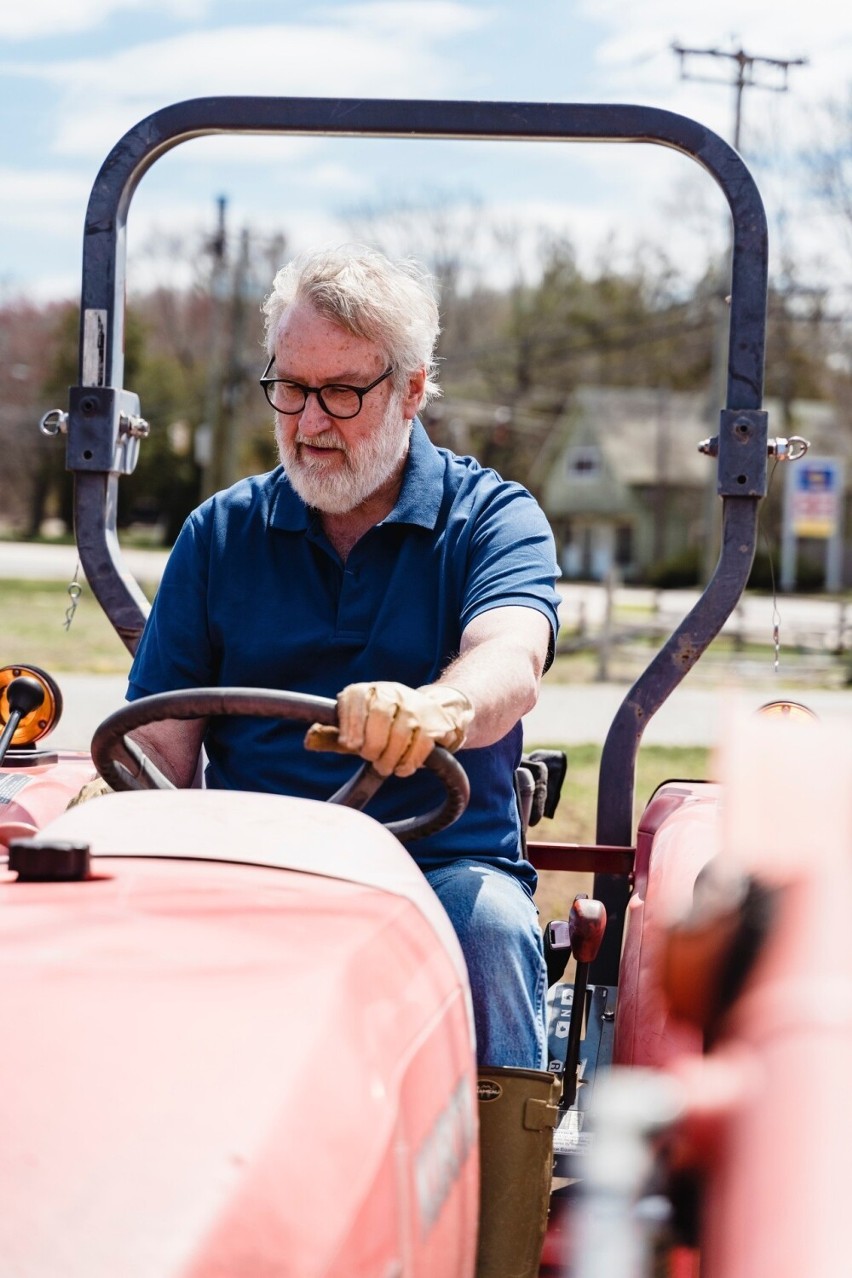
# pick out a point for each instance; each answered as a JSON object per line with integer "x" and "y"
{"x": 98, "y": 449}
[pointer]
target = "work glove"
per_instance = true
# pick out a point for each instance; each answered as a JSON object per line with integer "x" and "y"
{"x": 91, "y": 790}
{"x": 396, "y": 727}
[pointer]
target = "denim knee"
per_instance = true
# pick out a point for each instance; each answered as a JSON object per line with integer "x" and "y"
{"x": 497, "y": 926}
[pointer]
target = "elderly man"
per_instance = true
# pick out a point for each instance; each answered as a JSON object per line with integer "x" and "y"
{"x": 413, "y": 585}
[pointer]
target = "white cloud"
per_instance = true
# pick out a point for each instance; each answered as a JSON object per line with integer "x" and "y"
{"x": 418, "y": 17}
{"x": 43, "y": 199}
{"x": 38, "y": 18}
{"x": 102, "y": 98}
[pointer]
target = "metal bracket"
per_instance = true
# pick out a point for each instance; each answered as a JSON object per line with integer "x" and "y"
{"x": 742, "y": 449}
{"x": 792, "y": 449}
{"x": 104, "y": 429}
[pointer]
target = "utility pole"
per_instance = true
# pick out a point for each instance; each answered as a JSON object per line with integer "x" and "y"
{"x": 746, "y": 76}
{"x": 208, "y": 435}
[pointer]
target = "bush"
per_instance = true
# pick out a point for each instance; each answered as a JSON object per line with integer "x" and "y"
{"x": 681, "y": 570}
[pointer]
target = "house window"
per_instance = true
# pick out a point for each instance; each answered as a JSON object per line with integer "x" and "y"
{"x": 584, "y": 462}
{"x": 624, "y": 545}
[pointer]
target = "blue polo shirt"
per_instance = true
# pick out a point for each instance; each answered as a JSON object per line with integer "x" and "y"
{"x": 254, "y": 595}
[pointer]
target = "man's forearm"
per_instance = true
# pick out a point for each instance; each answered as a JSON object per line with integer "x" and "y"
{"x": 173, "y": 746}
{"x": 499, "y": 670}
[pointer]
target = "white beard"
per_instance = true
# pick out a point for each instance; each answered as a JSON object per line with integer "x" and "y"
{"x": 368, "y": 465}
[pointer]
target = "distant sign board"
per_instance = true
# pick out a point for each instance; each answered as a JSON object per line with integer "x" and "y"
{"x": 815, "y": 495}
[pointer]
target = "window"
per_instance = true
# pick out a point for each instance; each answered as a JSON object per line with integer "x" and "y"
{"x": 624, "y": 545}
{"x": 584, "y": 462}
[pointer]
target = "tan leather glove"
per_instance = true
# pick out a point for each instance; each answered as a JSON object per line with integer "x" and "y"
{"x": 395, "y": 727}
{"x": 91, "y": 790}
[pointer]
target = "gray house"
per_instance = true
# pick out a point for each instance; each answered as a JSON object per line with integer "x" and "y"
{"x": 625, "y": 486}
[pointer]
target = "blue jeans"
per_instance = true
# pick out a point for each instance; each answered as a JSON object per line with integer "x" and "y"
{"x": 497, "y": 925}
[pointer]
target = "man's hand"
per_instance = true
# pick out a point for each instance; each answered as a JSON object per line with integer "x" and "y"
{"x": 395, "y": 727}
{"x": 91, "y": 790}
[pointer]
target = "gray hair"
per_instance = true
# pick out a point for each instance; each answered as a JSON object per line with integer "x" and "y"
{"x": 391, "y": 303}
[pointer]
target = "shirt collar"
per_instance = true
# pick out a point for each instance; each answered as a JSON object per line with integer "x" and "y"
{"x": 419, "y": 498}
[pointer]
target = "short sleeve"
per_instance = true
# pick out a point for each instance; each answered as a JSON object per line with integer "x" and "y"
{"x": 512, "y": 558}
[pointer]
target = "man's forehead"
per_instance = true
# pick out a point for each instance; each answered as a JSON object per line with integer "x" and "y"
{"x": 306, "y": 337}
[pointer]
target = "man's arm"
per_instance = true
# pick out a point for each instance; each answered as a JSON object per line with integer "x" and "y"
{"x": 173, "y": 746}
{"x": 499, "y": 668}
{"x": 481, "y": 695}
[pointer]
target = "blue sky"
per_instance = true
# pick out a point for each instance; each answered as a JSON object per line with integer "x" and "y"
{"x": 75, "y": 74}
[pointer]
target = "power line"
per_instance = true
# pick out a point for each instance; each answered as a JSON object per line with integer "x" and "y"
{"x": 746, "y": 65}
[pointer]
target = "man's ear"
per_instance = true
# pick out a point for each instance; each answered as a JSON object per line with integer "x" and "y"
{"x": 413, "y": 395}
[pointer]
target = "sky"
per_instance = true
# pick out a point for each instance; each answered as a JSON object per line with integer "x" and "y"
{"x": 76, "y": 74}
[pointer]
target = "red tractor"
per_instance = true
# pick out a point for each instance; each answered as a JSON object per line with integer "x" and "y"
{"x": 238, "y": 1031}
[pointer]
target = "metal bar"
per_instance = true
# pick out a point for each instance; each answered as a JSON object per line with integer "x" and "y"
{"x": 674, "y": 660}
{"x": 104, "y": 252}
{"x": 114, "y": 587}
{"x": 580, "y": 858}
{"x": 133, "y": 155}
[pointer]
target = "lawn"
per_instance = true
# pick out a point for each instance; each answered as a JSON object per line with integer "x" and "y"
{"x": 33, "y": 630}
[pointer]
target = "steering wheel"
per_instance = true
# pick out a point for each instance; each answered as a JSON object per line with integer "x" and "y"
{"x": 124, "y": 765}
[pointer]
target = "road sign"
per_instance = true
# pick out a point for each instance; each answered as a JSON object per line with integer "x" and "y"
{"x": 815, "y": 494}
{"x": 813, "y": 507}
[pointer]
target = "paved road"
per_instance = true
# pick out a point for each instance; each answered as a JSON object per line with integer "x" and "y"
{"x": 41, "y": 562}
{"x": 754, "y": 615}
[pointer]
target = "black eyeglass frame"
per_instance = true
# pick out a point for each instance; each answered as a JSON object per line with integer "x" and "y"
{"x": 360, "y": 391}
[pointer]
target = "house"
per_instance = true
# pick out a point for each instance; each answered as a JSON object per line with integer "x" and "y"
{"x": 627, "y": 489}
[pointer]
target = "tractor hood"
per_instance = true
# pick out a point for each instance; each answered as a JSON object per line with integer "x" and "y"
{"x": 229, "y": 1050}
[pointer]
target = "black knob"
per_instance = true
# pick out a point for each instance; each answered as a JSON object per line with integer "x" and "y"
{"x": 57, "y": 861}
{"x": 24, "y": 695}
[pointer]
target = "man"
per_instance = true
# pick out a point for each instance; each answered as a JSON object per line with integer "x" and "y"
{"x": 411, "y": 584}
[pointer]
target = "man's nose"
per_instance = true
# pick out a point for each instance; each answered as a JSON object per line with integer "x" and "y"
{"x": 313, "y": 420}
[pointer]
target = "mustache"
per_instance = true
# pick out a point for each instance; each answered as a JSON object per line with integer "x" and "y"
{"x": 327, "y": 440}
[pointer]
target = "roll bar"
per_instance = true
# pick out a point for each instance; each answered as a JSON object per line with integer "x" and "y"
{"x": 102, "y": 442}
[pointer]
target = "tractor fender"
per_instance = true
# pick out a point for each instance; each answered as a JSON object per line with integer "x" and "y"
{"x": 677, "y": 835}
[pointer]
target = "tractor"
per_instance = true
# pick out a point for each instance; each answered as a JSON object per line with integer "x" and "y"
{"x": 239, "y": 1038}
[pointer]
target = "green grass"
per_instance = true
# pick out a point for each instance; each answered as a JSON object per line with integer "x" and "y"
{"x": 32, "y": 630}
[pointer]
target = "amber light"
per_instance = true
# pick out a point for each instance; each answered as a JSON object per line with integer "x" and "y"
{"x": 38, "y": 722}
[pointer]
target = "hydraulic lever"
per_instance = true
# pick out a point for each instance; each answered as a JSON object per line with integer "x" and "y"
{"x": 586, "y": 927}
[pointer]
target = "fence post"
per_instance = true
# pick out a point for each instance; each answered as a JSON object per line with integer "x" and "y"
{"x": 605, "y": 641}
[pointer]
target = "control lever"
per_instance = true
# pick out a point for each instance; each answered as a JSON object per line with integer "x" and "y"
{"x": 23, "y": 695}
{"x": 586, "y": 927}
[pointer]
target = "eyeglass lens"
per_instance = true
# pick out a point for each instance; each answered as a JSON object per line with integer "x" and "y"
{"x": 338, "y": 401}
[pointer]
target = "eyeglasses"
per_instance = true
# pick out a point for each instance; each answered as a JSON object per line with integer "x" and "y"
{"x": 335, "y": 399}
